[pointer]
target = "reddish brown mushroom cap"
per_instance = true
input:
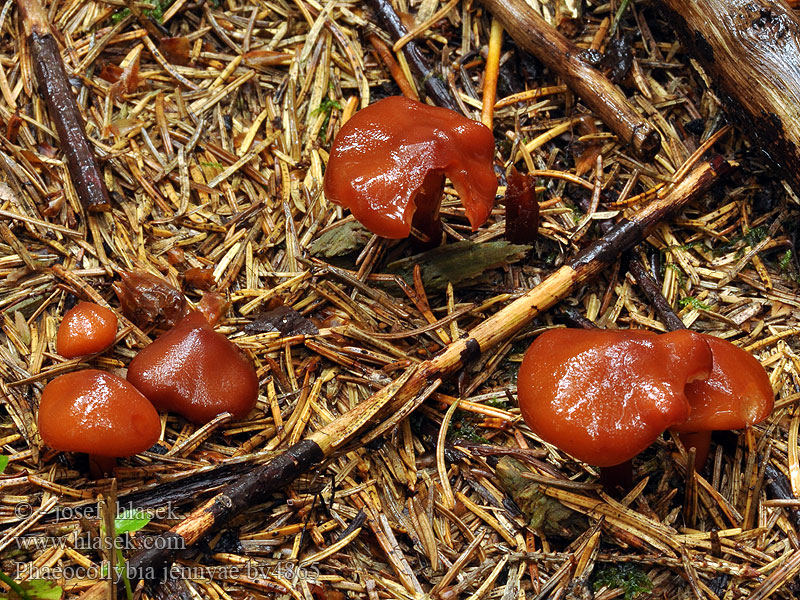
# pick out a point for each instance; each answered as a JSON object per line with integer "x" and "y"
{"x": 604, "y": 396}
{"x": 737, "y": 393}
{"x": 98, "y": 413}
{"x": 386, "y": 153}
{"x": 196, "y": 372}
{"x": 85, "y": 329}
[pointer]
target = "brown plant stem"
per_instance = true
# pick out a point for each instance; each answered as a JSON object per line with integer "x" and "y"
{"x": 434, "y": 84}
{"x": 563, "y": 57}
{"x": 402, "y": 396}
{"x": 54, "y": 87}
{"x": 617, "y": 480}
{"x": 750, "y": 52}
{"x": 652, "y": 290}
{"x": 426, "y": 224}
{"x": 385, "y": 53}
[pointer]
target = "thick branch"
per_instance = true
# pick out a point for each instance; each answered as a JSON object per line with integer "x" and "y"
{"x": 406, "y": 393}
{"x": 55, "y": 89}
{"x": 750, "y": 50}
{"x": 563, "y": 57}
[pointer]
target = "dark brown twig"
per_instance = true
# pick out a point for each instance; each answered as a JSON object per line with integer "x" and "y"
{"x": 651, "y": 289}
{"x": 563, "y": 57}
{"x": 385, "y": 53}
{"x": 435, "y": 85}
{"x": 778, "y": 488}
{"x": 406, "y": 393}
{"x": 647, "y": 284}
{"x": 55, "y": 89}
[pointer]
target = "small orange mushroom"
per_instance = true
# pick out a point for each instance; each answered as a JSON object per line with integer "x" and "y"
{"x": 195, "y": 371}
{"x": 389, "y": 161}
{"x": 98, "y": 413}
{"x": 86, "y": 328}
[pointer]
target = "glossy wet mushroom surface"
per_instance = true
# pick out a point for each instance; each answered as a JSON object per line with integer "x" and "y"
{"x": 196, "y": 372}
{"x": 389, "y": 161}
{"x": 87, "y": 328}
{"x": 98, "y": 413}
{"x": 604, "y": 396}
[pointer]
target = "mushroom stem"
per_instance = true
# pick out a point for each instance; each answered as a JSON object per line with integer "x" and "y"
{"x": 617, "y": 480}
{"x": 100, "y": 466}
{"x": 701, "y": 442}
{"x": 426, "y": 225}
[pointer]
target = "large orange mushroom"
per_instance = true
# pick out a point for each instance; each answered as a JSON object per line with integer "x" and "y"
{"x": 195, "y": 371}
{"x": 98, "y": 413}
{"x": 604, "y": 396}
{"x": 388, "y": 164}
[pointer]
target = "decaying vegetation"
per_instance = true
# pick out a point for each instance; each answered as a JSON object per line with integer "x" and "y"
{"x": 390, "y": 374}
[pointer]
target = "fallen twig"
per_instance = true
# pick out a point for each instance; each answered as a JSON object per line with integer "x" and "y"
{"x": 559, "y": 54}
{"x": 385, "y": 53}
{"x": 650, "y": 288}
{"x": 55, "y": 89}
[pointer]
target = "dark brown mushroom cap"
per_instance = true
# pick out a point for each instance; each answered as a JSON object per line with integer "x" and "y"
{"x": 196, "y": 372}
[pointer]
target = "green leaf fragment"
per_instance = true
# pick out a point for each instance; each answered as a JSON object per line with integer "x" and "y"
{"x": 694, "y": 303}
{"x": 624, "y": 576}
{"x": 132, "y": 519}
{"x": 785, "y": 260}
{"x": 544, "y": 513}
{"x": 43, "y": 589}
{"x": 457, "y": 263}
{"x": 32, "y": 589}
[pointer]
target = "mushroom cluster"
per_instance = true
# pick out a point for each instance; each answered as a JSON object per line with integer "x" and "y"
{"x": 190, "y": 369}
{"x": 604, "y": 396}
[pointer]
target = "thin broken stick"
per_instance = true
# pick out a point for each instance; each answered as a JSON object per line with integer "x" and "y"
{"x": 403, "y": 395}
{"x": 385, "y": 53}
{"x": 55, "y": 89}
{"x": 562, "y": 56}
{"x": 491, "y": 72}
